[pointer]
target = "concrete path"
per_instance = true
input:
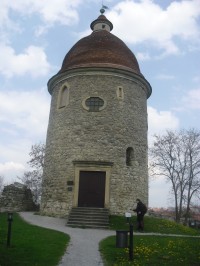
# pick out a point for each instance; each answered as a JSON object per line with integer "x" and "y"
{"x": 83, "y": 248}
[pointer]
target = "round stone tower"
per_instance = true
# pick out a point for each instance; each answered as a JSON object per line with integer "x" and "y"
{"x": 96, "y": 147}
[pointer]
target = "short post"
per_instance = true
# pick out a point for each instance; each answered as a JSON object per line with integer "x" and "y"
{"x": 131, "y": 243}
{"x": 10, "y": 219}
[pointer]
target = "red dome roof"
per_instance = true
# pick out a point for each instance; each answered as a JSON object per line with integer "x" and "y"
{"x": 100, "y": 49}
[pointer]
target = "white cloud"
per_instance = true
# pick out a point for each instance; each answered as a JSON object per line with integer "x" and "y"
{"x": 15, "y": 149}
{"x": 161, "y": 121}
{"x": 10, "y": 171}
{"x": 25, "y": 110}
{"x": 142, "y": 56}
{"x": 9, "y": 166}
{"x": 159, "y": 193}
{"x": 192, "y": 99}
{"x": 145, "y": 21}
{"x": 23, "y": 122}
{"x": 50, "y": 11}
{"x": 33, "y": 61}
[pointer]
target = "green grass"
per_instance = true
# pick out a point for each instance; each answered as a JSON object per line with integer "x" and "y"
{"x": 30, "y": 245}
{"x": 153, "y": 250}
{"x": 152, "y": 224}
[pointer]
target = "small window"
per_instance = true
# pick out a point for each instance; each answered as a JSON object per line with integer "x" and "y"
{"x": 103, "y": 26}
{"x": 94, "y": 104}
{"x": 120, "y": 93}
{"x": 63, "y": 97}
{"x": 129, "y": 156}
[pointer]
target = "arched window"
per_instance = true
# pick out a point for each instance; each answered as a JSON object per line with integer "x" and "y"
{"x": 129, "y": 156}
{"x": 63, "y": 97}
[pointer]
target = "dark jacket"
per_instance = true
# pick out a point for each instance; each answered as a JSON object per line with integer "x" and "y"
{"x": 141, "y": 208}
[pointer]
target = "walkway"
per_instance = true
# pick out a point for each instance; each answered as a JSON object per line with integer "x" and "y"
{"x": 83, "y": 248}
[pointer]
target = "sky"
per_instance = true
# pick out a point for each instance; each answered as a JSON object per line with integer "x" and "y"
{"x": 35, "y": 36}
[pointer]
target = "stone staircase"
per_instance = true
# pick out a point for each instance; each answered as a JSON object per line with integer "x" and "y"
{"x": 88, "y": 217}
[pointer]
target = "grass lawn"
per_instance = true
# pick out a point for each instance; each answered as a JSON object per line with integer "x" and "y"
{"x": 152, "y": 224}
{"x": 30, "y": 245}
{"x": 153, "y": 250}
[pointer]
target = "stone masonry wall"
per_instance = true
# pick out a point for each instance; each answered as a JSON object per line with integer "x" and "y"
{"x": 74, "y": 134}
{"x": 15, "y": 198}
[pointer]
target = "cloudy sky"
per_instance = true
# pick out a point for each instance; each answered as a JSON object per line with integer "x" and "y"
{"x": 35, "y": 35}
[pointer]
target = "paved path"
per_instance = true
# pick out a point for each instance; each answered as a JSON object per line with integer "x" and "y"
{"x": 83, "y": 248}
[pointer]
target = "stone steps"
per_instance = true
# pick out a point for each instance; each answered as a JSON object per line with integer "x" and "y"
{"x": 89, "y": 217}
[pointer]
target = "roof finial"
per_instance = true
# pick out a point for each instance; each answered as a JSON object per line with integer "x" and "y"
{"x": 103, "y": 9}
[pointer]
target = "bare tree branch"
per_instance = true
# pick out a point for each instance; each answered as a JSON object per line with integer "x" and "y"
{"x": 176, "y": 156}
{"x": 33, "y": 179}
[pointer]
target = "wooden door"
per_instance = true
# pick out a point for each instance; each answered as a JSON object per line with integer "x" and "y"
{"x": 91, "y": 189}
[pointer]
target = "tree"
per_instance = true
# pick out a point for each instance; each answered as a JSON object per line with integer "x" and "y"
{"x": 33, "y": 179}
{"x": 176, "y": 156}
{"x": 37, "y": 156}
{"x": 192, "y": 146}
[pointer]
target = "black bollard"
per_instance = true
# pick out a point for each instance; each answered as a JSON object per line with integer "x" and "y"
{"x": 131, "y": 243}
{"x": 10, "y": 219}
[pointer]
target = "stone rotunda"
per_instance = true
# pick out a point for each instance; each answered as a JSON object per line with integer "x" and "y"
{"x": 96, "y": 146}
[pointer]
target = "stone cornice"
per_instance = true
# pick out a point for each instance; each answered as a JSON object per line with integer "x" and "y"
{"x": 139, "y": 79}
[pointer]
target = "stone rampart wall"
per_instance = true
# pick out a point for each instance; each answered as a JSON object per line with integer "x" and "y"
{"x": 15, "y": 198}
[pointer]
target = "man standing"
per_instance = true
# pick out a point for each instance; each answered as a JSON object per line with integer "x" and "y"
{"x": 141, "y": 209}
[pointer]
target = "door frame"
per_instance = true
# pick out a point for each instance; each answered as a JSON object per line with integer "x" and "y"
{"x": 92, "y": 166}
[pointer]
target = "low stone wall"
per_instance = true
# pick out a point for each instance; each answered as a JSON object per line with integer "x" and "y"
{"x": 16, "y": 197}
